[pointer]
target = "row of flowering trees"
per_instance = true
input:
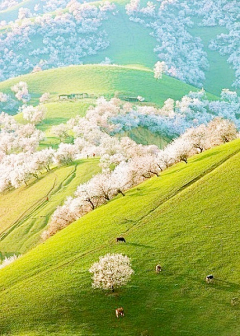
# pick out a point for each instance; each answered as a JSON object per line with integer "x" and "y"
{"x": 133, "y": 164}
{"x": 124, "y": 162}
{"x": 171, "y": 120}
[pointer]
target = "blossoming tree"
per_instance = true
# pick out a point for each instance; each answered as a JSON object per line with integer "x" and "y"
{"x": 111, "y": 271}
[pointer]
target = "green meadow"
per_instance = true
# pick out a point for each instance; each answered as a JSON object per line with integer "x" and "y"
{"x": 107, "y": 80}
{"x": 22, "y": 224}
{"x": 186, "y": 220}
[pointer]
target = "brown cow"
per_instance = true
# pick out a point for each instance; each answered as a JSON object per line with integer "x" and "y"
{"x": 158, "y": 269}
{"x": 119, "y": 312}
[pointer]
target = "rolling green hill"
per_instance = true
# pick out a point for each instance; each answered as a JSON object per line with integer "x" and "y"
{"x": 107, "y": 80}
{"x": 110, "y": 81}
{"x": 187, "y": 220}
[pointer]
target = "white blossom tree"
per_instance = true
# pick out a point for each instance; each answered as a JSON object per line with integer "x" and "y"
{"x": 21, "y": 91}
{"x": 44, "y": 98}
{"x": 159, "y": 69}
{"x": 34, "y": 114}
{"x": 8, "y": 260}
{"x": 111, "y": 271}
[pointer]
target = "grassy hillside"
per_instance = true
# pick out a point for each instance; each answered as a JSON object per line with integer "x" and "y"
{"x": 25, "y": 212}
{"x": 187, "y": 220}
{"x": 102, "y": 80}
{"x": 99, "y": 80}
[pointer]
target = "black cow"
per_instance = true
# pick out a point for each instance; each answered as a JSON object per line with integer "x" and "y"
{"x": 209, "y": 278}
{"x": 121, "y": 239}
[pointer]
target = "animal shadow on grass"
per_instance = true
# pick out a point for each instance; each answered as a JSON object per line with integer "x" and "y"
{"x": 219, "y": 284}
{"x": 226, "y": 285}
{"x": 140, "y": 245}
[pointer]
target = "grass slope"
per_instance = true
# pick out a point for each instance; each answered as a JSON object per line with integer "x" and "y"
{"x": 22, "y": 224}
{"x": 187, "y": 220}
{"x": 102, "y": 80}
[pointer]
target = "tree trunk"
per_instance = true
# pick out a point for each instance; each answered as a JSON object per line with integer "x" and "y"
{"x": 120, "y": 191}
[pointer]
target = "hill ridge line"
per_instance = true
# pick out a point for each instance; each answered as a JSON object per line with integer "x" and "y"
{"x": 75, "y": 257}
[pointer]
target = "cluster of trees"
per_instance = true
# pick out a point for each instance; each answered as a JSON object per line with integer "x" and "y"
{"x": 21, "y": 91}
{"x": 223, "y": 13}
{"x": 64, "y": 38}
{"x": 34, "y": 114}
{"x": 6, "y": 4}
{"x": 171, "y": 120}
{"x": 15, "y": 137}
{"x": 215, "y": 12}
{"x": 182, "y": 53}
{"x": 20, "y": 159}
{"x": 18, "y": 169}
{"x": 19, "y": 97}
{"x": 126, "y": 164}
{"x": 45, "y": 6}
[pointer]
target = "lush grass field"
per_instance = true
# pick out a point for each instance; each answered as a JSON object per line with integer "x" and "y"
{"x": 102, "y": 80}
{"x": 187, "y": 220}
{"x": 25, "y": 212}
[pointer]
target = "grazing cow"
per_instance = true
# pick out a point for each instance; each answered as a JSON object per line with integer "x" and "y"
{"x": 158, "y": 269}
{"x": 209, "y": 278}
{"x": 121, "y": 239}
{"x": 119, "y": 312}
